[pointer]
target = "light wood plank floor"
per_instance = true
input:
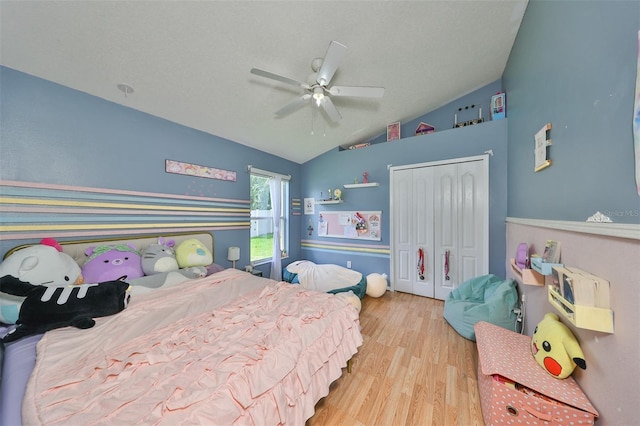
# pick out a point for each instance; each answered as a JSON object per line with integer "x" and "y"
{"x": 412, "y": 369}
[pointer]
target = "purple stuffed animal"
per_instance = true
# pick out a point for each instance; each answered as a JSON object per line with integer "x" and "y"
{"x": 112, "y": 262}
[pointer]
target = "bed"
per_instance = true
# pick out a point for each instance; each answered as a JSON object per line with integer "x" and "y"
{"x": 229, "y": 348}
{"x": 329, "y": 278}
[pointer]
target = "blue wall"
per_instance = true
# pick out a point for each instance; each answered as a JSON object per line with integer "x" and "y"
{"x": 574, "y": 65}
{"x": 337, "y": 167}
{"x": 53, "y": 134}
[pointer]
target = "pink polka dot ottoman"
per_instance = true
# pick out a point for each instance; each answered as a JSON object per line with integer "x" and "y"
{"x": 515, "y": 390}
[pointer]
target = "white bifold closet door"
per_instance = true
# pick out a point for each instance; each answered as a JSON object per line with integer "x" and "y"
{"x": 439, "y": 225}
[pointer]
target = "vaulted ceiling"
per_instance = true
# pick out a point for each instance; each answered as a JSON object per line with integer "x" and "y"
{"x": 189, "y": 61}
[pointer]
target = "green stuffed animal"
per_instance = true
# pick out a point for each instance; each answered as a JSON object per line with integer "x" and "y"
{"x": 555, "y": 348}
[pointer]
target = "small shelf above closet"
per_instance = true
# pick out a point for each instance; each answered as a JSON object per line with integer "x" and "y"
{"x": 361, "y": 185}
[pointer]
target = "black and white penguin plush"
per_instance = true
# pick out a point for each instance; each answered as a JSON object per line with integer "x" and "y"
{"x": 47, "y": 308}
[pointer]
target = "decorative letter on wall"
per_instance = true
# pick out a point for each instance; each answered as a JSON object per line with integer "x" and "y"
{"x": 540, "y": 152}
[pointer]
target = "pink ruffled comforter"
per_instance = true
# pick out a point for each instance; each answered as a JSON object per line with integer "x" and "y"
{"x": 221, "y": 350}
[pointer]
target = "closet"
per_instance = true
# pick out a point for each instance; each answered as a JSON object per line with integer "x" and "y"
{"x": 439, "y": 220}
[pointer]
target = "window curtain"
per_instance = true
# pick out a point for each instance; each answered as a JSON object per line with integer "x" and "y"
{"x": 275, "y": 185}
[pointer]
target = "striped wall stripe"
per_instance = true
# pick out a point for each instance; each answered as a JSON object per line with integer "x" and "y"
{"x": 63, "y": 210}
{"x": 50, "y": 227}
{"x": 45, "y": 210}
{"x": 107, "y": 233}
{"x": 78, "y": 203}
{"x": 38, "y": 185}
{"x": 368, "y": 249}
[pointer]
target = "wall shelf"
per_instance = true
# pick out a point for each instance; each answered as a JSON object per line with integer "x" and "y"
{"x": 328, "y": 201}
{"x": 527, "y": 276}
{"x": 587, "y": 317}
{"x": 361, "y": 185}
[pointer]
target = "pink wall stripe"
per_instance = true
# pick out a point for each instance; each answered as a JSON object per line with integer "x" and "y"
{"x": 114, "y": 191}
{"x": 56, "y": 210}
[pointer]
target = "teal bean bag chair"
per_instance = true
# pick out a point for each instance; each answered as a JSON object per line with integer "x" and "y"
{"x": 485, "y": 298}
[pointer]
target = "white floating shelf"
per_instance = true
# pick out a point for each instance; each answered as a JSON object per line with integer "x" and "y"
{"x": 361, "y": 185}
{"x": 328, "y": 201}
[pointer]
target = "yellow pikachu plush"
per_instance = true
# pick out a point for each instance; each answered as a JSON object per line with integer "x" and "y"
{"x": 555, "y": 348}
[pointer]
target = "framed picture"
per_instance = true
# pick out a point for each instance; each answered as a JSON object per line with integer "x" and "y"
{"x": 498, "y": 106}
{"x": 309, "y": 206}
{"x": 393, "y": 131}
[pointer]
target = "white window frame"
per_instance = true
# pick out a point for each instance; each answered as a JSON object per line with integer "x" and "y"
{"x": 284, "y": 214}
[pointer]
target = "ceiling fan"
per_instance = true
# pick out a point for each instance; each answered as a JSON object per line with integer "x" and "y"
{"x": 317, "y": 86}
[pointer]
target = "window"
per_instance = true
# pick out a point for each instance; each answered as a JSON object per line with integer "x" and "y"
{"x": 262, "y": 218}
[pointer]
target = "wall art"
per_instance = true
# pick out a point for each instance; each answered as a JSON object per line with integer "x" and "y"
{"x": 181, "y": 168}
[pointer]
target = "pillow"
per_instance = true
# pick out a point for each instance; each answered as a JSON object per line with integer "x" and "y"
{"x": 165, "y": 279}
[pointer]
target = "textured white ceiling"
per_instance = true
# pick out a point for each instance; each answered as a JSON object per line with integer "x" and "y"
{"x": 189, "y": 61}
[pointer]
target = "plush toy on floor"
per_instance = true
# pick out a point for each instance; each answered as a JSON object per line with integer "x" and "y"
{"x": 47, "y": 308}
{"x": 350, "y": 297}
{"x": 376, "y": 285}
{"x": 555, "y": 348}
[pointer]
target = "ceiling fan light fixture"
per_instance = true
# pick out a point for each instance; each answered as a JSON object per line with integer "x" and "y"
{"x": 318, "y": 94}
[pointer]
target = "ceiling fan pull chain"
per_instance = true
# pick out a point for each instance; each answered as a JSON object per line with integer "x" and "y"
{"x": 313, "y": 115}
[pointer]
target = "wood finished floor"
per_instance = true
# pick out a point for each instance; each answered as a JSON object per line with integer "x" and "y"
{"x": 412, "y": 369}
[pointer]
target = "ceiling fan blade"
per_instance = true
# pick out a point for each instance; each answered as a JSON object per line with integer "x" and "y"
{"x": 363, "y": 92}
{"x": 291, "y": 106}
{"x": 332, "y": 59}
{"x": 267, "y": 74}
{"x": 330, "y": 109}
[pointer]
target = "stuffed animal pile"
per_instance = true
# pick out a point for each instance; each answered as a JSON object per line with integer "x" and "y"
{"x": 41, "y": 288}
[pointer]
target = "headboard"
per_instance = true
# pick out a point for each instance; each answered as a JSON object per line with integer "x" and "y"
{"x": 76, "y": 248}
